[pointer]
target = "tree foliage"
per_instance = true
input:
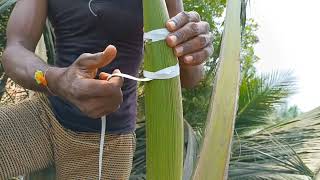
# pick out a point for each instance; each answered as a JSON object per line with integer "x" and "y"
{"x": 257, "y": 155}
{"x": 3, "y": 24}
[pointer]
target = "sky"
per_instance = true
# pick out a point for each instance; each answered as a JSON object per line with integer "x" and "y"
{"x": 289, "y": 35}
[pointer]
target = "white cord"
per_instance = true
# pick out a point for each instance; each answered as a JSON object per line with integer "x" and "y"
{"x": 89, "y": 4}
{"x": 166, "y": 73}
{"x": 103, "y": 133}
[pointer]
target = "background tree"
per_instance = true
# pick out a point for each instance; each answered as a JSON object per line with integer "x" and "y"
{"x": 263, "y": 148}
{"x": 3, "y": 24}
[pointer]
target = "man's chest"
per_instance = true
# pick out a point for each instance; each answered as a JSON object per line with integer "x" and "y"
{"x": 112, "y": 16}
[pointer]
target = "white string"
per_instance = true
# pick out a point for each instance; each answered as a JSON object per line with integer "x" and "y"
{"x": 128, "y": 77}
{"x": 103, "y": 133}
{"x": 166, "y": 73}
{"x": 156, "y": 35}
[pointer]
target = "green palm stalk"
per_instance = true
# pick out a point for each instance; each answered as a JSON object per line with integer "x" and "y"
{"x": 164, "y": 119}
{"x": 214, "y": 156}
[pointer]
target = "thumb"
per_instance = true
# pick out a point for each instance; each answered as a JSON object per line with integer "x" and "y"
{"x": 116, "y": 80}
{"x": 97, "y": 60}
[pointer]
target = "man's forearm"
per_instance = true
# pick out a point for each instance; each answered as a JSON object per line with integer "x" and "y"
{"x": 174, "y": 7}
{"x": 24, "y": 30}
{"x": 189, "y": 76}
{"x": 22, "y": 70}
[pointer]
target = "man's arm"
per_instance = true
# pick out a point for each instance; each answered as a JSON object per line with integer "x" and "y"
{"x": 75, "y": 83}
{"x": 190, "y": 40}
{"x": 23, "y": 33}
{"x": 174, "y": 7}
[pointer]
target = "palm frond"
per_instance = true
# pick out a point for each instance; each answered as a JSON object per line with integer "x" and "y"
{"x": 243, "y": 15}
{"x": 5, "y": 4}
{"x": 264, "y": 156}
{"x": 191, "y": 150}
{"x": 49, "y": 42}
{"x": 259, "y": 95}
{"x": 303, "y": 135}
{"x": 285, "y": 150}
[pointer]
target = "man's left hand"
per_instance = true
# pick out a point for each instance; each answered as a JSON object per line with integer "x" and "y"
{"x": 190, "y": 38}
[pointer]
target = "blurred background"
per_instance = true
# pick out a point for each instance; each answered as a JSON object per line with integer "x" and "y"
{"x": 277, "y": 126}
{"x": 289, "y": 40}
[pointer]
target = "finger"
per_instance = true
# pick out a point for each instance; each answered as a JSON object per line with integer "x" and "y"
{"x": 93, "y": 88}
{"x": 97, "y": 60}
{"x": 117, "y": 80}
{"x": 181, "y": 19}
{"x": 193, "y": 45}
{"x": 187, "y": 32}
{"x": 103, "y": 76}
{"x": 198, "y": 57}
{"x": 96, "y": 107}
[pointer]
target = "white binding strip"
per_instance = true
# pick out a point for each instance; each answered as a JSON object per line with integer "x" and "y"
{"x": 128, "y": 77}
{"x": 103, "y": 133}
{"x": 156, "y": 35}
{"x": 166, "y": 73}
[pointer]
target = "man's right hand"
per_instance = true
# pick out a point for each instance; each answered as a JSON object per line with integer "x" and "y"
{"x": 77, "y": 84}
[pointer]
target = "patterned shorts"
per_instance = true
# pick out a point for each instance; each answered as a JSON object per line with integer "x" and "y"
{"x": 32, "y": 139}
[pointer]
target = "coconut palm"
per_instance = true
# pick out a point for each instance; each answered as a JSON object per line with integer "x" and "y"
{"x": 259, "y": 149}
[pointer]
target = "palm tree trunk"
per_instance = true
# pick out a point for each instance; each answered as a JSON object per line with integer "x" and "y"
{"x": 164, "y": 119}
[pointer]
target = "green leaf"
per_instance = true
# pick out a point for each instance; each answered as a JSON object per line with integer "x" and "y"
{"x": 163, "y": 102}
{"x": 215, "y": 150}
{"x": 259, "y": 95}
{"x": 49, "y": 42}
{"x": 5, "y": 4}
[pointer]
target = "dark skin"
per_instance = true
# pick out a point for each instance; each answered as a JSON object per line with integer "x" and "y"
{"x": 189, "y": 39}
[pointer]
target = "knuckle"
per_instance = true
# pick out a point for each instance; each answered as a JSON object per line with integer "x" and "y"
{"x": 187, "y": 47}
{"x": 180, "y": 35}
{"x": 181, "y": 17}
{"x": 184, "y": 15}
{"x": 84, "y": 55}
{"x": 203, "y": 41}
{"x": 194, "y": 28}
{"x": 194, "y": 16}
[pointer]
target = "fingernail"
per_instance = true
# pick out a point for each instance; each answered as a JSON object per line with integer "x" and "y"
{"x": 188, "y": 59}
{"x": 172, "y": 24}
{"x": 179, "y": 50}
{"x": 173, "y": 39}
